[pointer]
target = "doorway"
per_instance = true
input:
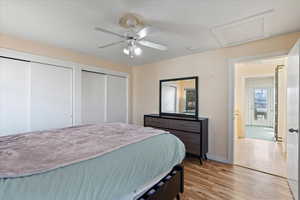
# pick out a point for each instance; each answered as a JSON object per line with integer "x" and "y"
{"x": 260, "y": 108}
{"x": 260, "y": 115}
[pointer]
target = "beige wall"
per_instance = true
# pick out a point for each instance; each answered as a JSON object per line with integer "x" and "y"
{"x": 37, "y": 48}
{"x": 212, "y": 69}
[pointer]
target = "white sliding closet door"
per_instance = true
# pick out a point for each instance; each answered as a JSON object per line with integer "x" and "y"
{"x": 14, "y": 96}
{"x": 93, "y": 93}
{"x": 116, "y": 99}
{"x": 51, "y": 97}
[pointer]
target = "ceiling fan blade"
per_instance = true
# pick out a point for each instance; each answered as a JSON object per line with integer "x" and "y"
{"x": 109, "y": 32}
{"x": 153, "y": 45}
{"x": 144, "y": 32}
{"x": 111, "y": 44}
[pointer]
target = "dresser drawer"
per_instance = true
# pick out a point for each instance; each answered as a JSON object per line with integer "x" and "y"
{"x": 157, "y": 122}
{"x": 192, "y": 132}
{"x": 193, "y": 149}
{"x": 185, "y": 125}
{"x": 190, "y": 140}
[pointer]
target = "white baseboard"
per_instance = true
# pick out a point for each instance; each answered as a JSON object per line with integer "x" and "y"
{"x": 218, "y": 159}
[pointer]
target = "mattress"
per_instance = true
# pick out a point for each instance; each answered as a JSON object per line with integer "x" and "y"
{"x": 119, "y": 174}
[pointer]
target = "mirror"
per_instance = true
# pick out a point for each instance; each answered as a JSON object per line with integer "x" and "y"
{"x": 179, "y": 97}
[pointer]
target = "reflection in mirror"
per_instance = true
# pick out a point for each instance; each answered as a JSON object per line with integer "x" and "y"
{"x": 179, "y": 97}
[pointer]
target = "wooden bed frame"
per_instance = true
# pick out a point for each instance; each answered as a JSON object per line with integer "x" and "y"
{"x": 167, "y": 188}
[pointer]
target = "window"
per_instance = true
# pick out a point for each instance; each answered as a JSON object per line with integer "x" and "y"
{"x": 260, "y": 103}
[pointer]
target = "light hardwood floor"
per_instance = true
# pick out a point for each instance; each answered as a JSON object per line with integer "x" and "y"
{"x": 218, "y": 181}
{"x": 261, "y": 155}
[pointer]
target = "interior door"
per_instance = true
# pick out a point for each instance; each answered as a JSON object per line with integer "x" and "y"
{"x": 93, "y": 97}
{"x": 293, "y": 119}
{"x": 51, "y": 97}
{"x": 14, "y": 96}
{"x": 116, "y": 99}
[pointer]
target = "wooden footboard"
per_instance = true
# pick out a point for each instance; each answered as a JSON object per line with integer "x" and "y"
{"x": 167, "y": 188}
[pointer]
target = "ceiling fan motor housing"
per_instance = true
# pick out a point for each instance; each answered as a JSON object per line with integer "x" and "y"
{"x": 130, "y": 20}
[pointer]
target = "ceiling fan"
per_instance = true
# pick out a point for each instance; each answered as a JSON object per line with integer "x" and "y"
{"x": 133, "y": 39}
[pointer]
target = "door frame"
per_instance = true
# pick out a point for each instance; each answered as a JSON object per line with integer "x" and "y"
{"x": 231, "y": 94}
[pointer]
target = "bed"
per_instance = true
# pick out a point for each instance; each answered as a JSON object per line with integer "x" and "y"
{"x": 142, "y": 159}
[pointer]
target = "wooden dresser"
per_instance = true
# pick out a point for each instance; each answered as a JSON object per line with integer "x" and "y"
{"x": 192, "y": 132}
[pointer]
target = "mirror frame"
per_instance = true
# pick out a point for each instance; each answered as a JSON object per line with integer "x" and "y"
{"x": 178, "y": 114}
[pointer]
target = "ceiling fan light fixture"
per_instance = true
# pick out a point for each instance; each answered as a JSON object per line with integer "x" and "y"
{"x": 132, "y": 51}
{"x": 126, "y": 51}
{"x": 137, "y": 51}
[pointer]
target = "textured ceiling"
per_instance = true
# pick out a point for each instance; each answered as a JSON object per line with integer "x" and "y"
{"x": 186, "y": 27}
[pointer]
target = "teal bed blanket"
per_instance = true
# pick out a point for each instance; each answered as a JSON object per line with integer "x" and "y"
{"x": 112, "y": 176}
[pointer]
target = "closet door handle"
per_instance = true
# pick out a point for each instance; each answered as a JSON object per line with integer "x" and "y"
{"x": 292, "y": 130}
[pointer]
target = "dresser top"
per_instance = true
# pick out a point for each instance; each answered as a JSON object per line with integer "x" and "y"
{"x": 177, "y": 118}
